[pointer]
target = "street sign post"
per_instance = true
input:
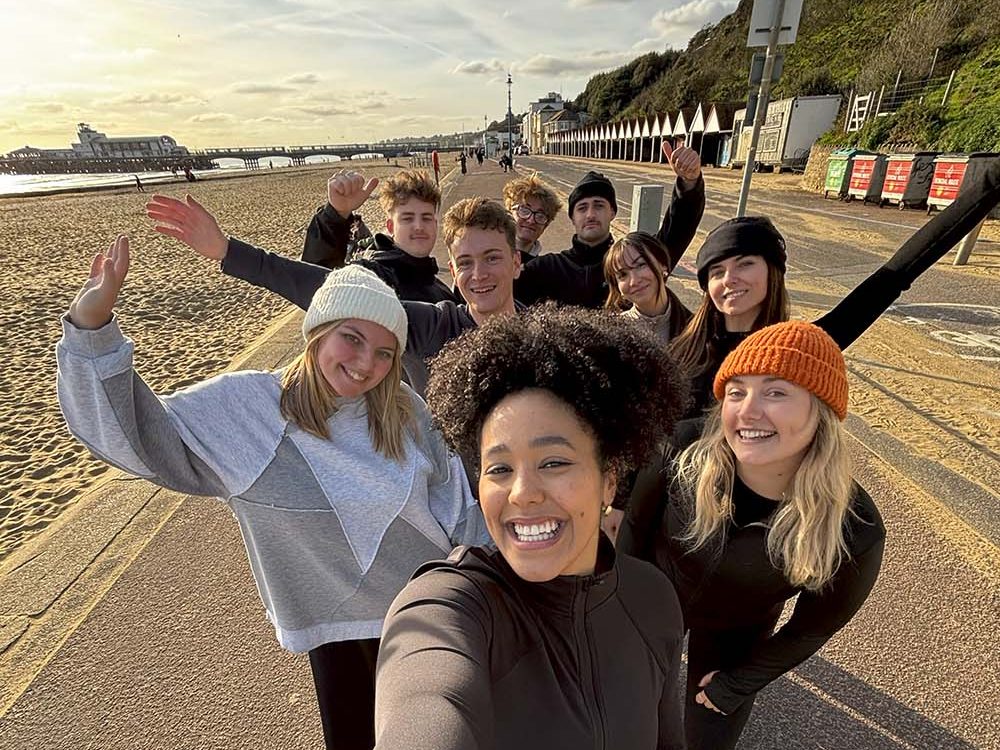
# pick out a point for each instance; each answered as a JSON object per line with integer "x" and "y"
{"x": 775, "y": 22}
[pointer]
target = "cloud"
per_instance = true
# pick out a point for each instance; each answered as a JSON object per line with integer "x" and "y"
{"x": 267, "y": 119}
{"x": 260, "y": 88}
{"x": 323, "y": 110}
{"x": 480, "y": 67}
{"x": 691, "y": 16}
{"x": 592, "y": 3}
{"x": 549, "y": 65}
{"x": 46, "y": 107}
{"x": 208, "y": 118}
{"x": 302, "y": 79}
{"x": 143, "y": 99}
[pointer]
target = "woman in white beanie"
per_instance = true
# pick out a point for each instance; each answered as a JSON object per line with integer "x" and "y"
{"x": 340, "y": 485}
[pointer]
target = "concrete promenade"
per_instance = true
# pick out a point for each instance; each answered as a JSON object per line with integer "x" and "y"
{"x": 133, "y": 622}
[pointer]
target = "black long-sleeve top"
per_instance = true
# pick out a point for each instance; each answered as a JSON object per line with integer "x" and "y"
{"x": 576, "y": 276}
{"x": 473, "y": 658}
{"x": 739, "y": 586}
{"x": 856, "y": 313}
{"x": 327, "y": 244}
{"x": 429, "y": 326}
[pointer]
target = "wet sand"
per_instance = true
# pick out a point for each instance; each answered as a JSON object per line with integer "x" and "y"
{"x": 188, "y": 320}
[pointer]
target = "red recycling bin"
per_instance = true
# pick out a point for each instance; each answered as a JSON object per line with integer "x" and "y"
{"x": 867, "y": 175}
{"x": 908, "y": 179}
{"x": 952, "y": 172}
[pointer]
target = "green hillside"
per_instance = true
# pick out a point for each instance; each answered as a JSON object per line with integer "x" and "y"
{"x": 842, "y": 46}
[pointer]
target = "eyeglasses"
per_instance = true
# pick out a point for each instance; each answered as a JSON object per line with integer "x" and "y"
{"x": 525, "y": 212}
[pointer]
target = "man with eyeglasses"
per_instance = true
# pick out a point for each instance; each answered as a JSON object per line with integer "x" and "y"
{"x": 533, "y": 205}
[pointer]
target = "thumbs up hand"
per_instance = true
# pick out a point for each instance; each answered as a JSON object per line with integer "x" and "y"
{"x": 685, "y": 162}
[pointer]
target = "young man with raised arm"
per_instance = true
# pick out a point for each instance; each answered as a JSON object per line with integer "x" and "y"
{"x": 401, "y": 256}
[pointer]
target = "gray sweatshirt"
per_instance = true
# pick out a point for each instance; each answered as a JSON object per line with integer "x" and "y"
{"x": 332, "y": 528}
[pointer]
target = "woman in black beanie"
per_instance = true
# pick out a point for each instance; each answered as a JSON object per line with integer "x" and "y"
{"x": 741, "y": 268}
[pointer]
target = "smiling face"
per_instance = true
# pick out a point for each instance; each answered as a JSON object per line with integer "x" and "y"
{"x": 484, "y": 267}
{"x": 592, "y": 220}
{"x": 541, "y": 486}
{"x": 769, "y": 423}
{"x": 529, "y": 229}
{"x": 640, "y": 281}
{"x": 738, "y": 287}
{"x": 356, "y": 356}
{"x": 413, "y": 225}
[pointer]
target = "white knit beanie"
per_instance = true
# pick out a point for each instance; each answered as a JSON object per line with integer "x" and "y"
{"x": 355, "y": 292}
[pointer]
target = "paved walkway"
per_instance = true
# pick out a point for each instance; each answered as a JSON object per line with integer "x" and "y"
{"x": 133, "y": 622}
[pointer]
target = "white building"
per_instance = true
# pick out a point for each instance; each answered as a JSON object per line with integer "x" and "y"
{"x": 94, "y": 145}
{"x": 539, "y": 113}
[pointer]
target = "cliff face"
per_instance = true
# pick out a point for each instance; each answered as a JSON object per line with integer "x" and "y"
{"x": 842, "y": 46}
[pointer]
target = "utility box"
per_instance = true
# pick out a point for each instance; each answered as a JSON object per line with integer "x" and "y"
{"x": 867, "y": 176}
{"x": 908, "y": 179}
{"x": 790, "y": 128}
{"x": 647, "y": 209}
{"x": 952, "y": 172}
{"x": 838, "y": 171}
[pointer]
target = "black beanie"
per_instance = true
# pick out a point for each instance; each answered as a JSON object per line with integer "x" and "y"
{"x": 593, "y": 184}
{"x": 746, "y": 235}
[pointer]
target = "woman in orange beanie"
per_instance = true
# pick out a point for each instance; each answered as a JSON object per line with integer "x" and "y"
{"x": 758, "y": 510}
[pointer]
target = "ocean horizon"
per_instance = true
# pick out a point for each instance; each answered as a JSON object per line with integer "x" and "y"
{"x": 41, "y": 184}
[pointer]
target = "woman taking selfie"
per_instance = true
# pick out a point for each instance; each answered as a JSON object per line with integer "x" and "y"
{"x": 550, "y": 640}
{"x": 340, "y": 486}
{"x": 759, "y": 510}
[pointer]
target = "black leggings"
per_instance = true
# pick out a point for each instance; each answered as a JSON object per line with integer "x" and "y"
{"x": 344, "y": 673}
{"x": 709, "y": 650}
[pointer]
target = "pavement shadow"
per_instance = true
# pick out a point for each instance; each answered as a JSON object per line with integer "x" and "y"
{"x": 828, "y": 707}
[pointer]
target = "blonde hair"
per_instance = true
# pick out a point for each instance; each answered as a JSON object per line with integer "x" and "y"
{"x": 308, "y": 401}
{"x": 478, "y": 213}
{"x": 409, "y": 183}
{"x": 525, "y": 188}
{"x": 806, "y": 537}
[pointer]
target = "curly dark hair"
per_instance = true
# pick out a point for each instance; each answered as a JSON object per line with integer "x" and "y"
{"x": 613, "y": 372}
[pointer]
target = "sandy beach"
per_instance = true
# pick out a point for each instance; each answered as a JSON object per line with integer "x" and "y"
{"x": 188, "y": 320}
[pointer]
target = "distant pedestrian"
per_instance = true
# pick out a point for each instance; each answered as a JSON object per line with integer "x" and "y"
{"x": 479, "y": 156}
{"x": 138, "y": 184}
{"x": 462, "y": 159}
{"x": 340, "y": 484}
{"x": 270, "y": 164}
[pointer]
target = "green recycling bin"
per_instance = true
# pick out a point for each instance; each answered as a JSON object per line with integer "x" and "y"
{"x": 838, "y": 171}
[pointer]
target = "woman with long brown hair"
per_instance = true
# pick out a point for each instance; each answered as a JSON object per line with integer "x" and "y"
{"x": 339, "y": 484}
{"x": 636, "y": 270}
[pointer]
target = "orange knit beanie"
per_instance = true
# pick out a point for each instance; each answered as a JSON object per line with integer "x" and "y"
{"x": 801, "y": 353}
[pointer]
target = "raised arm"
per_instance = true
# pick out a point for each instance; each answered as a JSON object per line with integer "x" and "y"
{"x": 192, "y": 224}
{"x": 112, "y": 411}
{"x": 433, "y": 685}
{"x": 329, "y": 232}
{"x": 856, "y": 313}
{"x": 687, "y": 202}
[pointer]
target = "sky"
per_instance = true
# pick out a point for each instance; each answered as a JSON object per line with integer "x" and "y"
{"x": 218, "y": 73}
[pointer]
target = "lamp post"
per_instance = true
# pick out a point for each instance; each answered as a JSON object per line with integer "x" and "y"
{"x": 510, "y": 118}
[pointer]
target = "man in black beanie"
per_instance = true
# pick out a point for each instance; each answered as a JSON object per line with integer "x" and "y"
{"x": 576, "y": 276}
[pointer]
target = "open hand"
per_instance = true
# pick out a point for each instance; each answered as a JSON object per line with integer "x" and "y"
{"x": 686, "y": 162}
{"x": 347, "y": 191}
{"x": 701, "y": 698}
{"x": 189, "y": 222}
{"x": 94, "y": 303}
